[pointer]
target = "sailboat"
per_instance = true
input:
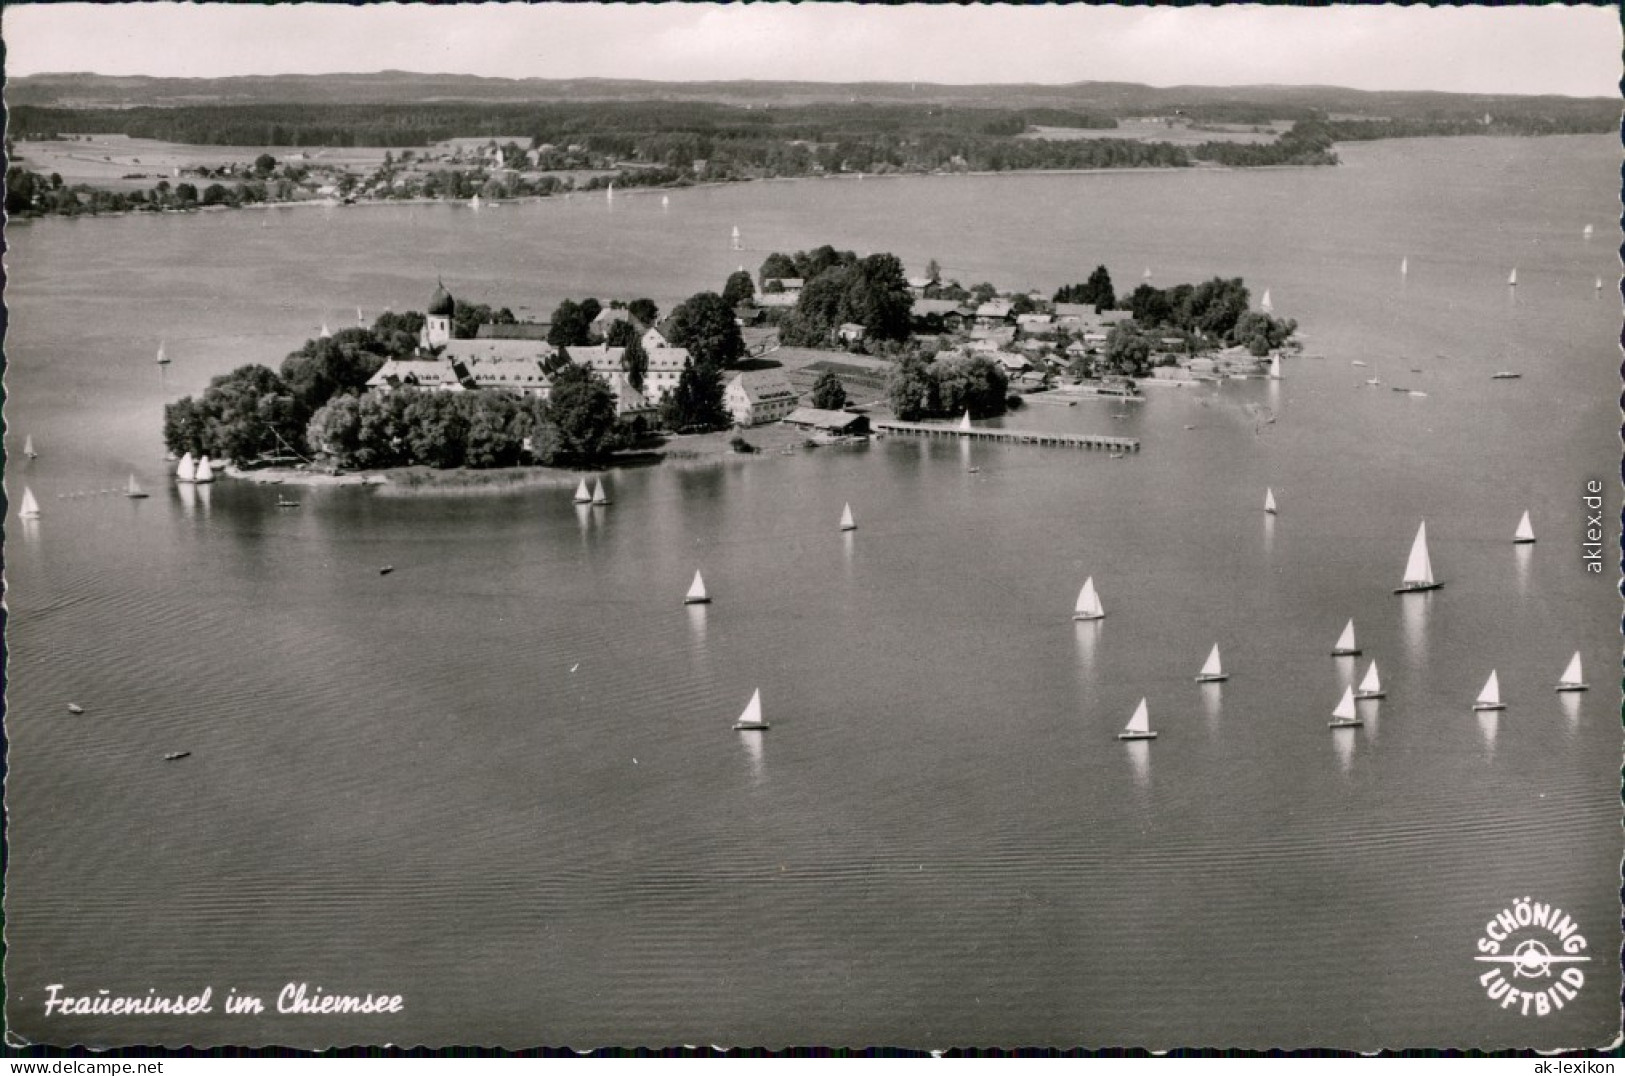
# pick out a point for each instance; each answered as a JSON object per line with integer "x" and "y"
{"x": 359, "y": 318}
{"x": 583, "y": 494}
{"x": 1512, "y": 277}
{"x": 1345, "y": 646}
{"x": 1587, "y": 232}
{"x": 205, "y": 473}
{"x": 736, "y": 237}
{"x": 1345, "y": 717}
{"x": 1147, "y": 274}
{"x": 163, "y": 359}
{"x": 1212, "y": 672}
{"x": 134, "y": 490}
{"x": 327, "y": 334}
{"x": 751, "y": 719}
{"x": 964, "y": 423}
{"x": 1139, "y": 726}
{"x": 1405, "y": 266}
{"x": 1525, "y": 534}
{"x": 1371, "y": 686}
{"x": 1265, "y": 305}
{"x": 1088, "y": 607}
{"x": 1419, "y": 569}
{"x": 1490, "y": 697}
{"x": 1599, "y": 283}
{"x": 609, "y": 194}
{"x": 665, "y": 201}
{"x": 186, "y": 469}
{"x": 30, "y": 507}
{"x": 847, "y": 522}
{"x": 28, "y": 446}
{"x": 1275, "y": 367}
{"x": 599, "y": 497}
{"x": 1269, "y": 501}
{"x": 474, "y": 202}
{"x": 696, "y": 592}
{"x": 1573, "y": 679}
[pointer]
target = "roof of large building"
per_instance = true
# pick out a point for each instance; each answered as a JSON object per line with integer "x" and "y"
{"x": 823, "y": 419}
{"x": 524, "y": 330}
{"x": 760, "y": 385}
{"x": 398, "y": 372}
{"x": 441, "y": 304}
{"x": 490, "y": 350}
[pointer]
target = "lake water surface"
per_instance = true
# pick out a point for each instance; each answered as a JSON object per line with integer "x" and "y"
{"x": 500, "y": 781}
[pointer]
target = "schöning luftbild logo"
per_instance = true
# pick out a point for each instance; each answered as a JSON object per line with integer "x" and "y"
{"x": 1533, "y": 951}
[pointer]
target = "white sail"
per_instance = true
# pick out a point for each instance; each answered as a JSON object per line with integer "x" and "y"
{"x": 28, "y": 447}
{"x": 1269, "y": 500}
{"x": 598, "y": 494}
{"x": 1147, "y": 274}
{"x": 163, "y": 359}
{"x": 1372, "y": 682}
{"x": 583, "y": 494}
{"x": 205, "y": 472}
{"x": 1404, "y": 266}
{"x": 1275, "y": 367}
{"x": 1345, "y": 641}
{"x": 665, "y": 200}
{"x": 1419, "y": 569}
{"x": 1088, "y": 607}
{"x": 1588, "y": 230}
{"x": 1264, "y": 304}
{"x": 359, "y": 318}
{"x": 964, "y": 423}
{"x": 696, "y": 592}
{"x": 1525, "y": 532}
{"x": 186, "y": 469}
{"x": 474, "y": 202}
{"x": 1572, "y": 676}
{"x": 752, "y": 717}
{"x": 134, "y": 488}
{"x": 1141, "y": 721}
{"x": 1212, "y": 667}
{"x": 326, "y": 332}
{"x": 30, "y": 507}
{"x": 1491, "y": 695}
{"x": 1345, "y": 708}
{"x": 1512, "y": 277}
{"x": 1599, "y": 283}
{"x": 847, "y": 523}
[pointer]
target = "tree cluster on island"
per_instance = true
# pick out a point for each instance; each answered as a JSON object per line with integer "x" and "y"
{"x": 840, "y": 288}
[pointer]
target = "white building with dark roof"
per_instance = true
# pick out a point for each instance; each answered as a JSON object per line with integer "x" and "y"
{"x": 757, "y": 396}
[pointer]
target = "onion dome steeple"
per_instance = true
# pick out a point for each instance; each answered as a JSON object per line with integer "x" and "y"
{"x": 441, "y": 304}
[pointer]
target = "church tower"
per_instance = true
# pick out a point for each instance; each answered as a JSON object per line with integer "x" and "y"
{"x": 442, "y": 307}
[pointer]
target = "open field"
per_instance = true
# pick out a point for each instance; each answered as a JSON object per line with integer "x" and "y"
{"x": 105, "y": 160}
{"x": 1178, "y": 134}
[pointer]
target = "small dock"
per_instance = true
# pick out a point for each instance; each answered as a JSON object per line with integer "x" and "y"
{"x": 1009, "y": 436}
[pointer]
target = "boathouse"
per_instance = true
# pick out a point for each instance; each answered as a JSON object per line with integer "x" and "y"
{"x": 831, "y": 423}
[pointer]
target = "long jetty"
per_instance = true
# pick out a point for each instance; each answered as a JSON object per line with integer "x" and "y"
{"x": 1008, "y": 436}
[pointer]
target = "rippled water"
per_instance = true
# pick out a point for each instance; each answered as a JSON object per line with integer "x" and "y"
{"x": 500, "y": 781}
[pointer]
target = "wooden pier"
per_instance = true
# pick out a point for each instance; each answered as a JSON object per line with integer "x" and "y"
{"x": 1008, "y": 436}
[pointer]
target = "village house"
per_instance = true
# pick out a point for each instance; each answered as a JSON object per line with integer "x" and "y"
{"x": 757, "y": 396}
{"x": 851, "y": 333}
{"x": 829, "y": 423}
{"x": 994, "y": 313}
{"x": 791, "y": 284}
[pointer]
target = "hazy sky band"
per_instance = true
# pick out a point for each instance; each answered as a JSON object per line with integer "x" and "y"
{"x": 1571, "y": 50}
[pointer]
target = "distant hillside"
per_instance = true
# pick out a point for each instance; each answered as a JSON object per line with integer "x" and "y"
{"x": 1240, "y": 104}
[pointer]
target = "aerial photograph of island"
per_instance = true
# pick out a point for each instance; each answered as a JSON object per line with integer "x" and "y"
{"x": 812, "y": 526}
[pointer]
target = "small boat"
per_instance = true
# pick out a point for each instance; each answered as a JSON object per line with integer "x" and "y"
{"x": 205, "y": 472}
{"x": 1269, "y": 501}
{"x": 1413, "y": 392}
{"x": 29, "y": 509}
{"x": 1345, "y": 647}
{"x": 1512, "y": 277}
{"x": 1490, "y": 697}
{"x": 186, "y": 469}
{"x": 386, "y": 569}
{"x": 360, "y": 319}
{"x": 583, "y": 494}
{"x": 175, "y": 756}
{"x": 1419, "y": 568}
{"x": 1139, "y": 726}
{"x": 1265, "y": 305}
{"x": 1504, "y": 375}
{"x": 134, "y": 490}
{"x": 751, "y": 719}
{"x": 599, "y": 497}
{"x": 964, "y": 422}
{"x": 1373, "y": 381}
{"x": 283, "y": 502}
{"x": 1116, "y": 455}
{"x": 1357, "y": 362}
{"x": 1275, "y": 368}
{"x": 1587, "y": 232}
{"x": 1573, "y": 679}
{"x": 1404, "y": 266}
{"x": 28, "y": 447}
{"x": 847, "y": 522}
{"x": 1599, "y": 283}
{"x": 696, "y": 592}
{"x": 1525, "y": 532}
{"x": 1212, "y": 672}
{"x": 1088, "y": 607}
{"x": 163, "y": 359}
{"x": 75, "y": 708}
{"x": 1371, "y": 686}
{"x": 1345, "y": 716}
{"x": 1399, "y": 388}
